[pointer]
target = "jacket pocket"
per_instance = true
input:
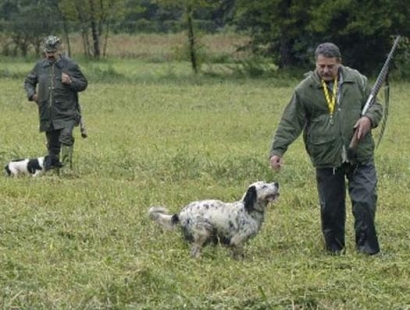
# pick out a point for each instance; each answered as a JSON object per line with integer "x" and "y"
{"x": 44, "y": 110}
{"x": 365, "y": 148}
{"x": 321, "y": 149}
{"x": 63, "y": 106}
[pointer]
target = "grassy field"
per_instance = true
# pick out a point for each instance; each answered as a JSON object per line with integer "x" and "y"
{"x": 158, "y": 135}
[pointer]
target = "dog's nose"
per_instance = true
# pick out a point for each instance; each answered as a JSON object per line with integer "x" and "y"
{"x": 276, "y": 184}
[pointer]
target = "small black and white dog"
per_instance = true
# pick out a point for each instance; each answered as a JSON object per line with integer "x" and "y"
{"x": 34, "y": 166}
{"x": 214, "y": 221}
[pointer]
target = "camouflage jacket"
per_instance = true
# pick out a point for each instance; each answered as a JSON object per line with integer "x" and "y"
{"x": 57, "y": 102}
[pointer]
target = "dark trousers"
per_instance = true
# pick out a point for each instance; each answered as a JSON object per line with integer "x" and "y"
{"x": 362, "y": 183}
{"x": 58, "y": 137}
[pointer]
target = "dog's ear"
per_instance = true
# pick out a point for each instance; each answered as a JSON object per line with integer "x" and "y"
{"x": 7, "y": 169}
{"x": 250, "y": 198}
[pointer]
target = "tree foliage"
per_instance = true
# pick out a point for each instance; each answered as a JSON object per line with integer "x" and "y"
{"x": 189, "y": 8}
{"x": 93, "y": 19}
{"x": 288, "y": 31}
{"x": 285, "y": 31}
{"x": 26, "y": 23}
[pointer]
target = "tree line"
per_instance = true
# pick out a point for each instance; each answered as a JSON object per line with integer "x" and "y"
{"x": 284, "y": 31}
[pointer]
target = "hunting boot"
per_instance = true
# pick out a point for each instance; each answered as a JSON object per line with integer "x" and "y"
{"x": 67, "y": 156}
{"x": 53, "y": 165}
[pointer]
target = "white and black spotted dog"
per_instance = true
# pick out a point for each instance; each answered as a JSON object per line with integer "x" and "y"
{"x": 213, "y": 221}
{"x": 34, "y": 166}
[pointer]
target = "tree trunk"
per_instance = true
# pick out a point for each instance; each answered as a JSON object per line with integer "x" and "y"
{"x": 191, "y": 41}
{"x": 94, "y": 32}
{"x": 67, "y": 38}
{"x": 107, "y": 32}
{"x": 286, "y": 53}
{"x": 83, "y": 30}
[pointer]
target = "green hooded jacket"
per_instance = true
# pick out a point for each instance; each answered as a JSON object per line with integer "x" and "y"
{"x": 327, "y": 138}
{"x": 57, "y": 102}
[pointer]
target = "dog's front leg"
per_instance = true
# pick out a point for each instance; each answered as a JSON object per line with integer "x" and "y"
{"x": 37, "y": 173}
{"x": 238, "y": 252}
{"x": 196, "y": 250}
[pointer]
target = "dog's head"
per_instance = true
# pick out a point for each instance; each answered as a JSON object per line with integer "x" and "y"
{"x": 51, "y": 161}
{"x": 259, "y": 194}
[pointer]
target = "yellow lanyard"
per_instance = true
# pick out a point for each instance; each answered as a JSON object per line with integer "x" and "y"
{"x": 331, "y": 102}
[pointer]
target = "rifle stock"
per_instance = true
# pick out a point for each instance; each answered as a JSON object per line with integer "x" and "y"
{"x": 351, "y": 151}
{"x": 83, "y": 129}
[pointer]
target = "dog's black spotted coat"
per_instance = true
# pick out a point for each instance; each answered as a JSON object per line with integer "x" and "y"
{"x": 213, "y": 221}
{"x": 34, "y": 166}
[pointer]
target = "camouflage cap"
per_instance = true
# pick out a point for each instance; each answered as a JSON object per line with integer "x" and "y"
{"x": 51, "y": 44}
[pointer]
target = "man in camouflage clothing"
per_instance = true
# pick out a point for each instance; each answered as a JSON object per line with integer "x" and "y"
{"x": 59, "y": 80}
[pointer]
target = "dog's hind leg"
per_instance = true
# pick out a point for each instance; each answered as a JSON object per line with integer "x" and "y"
{"x": 237, "y": 247}
{"x": 201, "y": 232}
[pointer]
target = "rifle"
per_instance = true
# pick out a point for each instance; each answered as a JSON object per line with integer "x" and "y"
{"x": 81, "y": 122}
{"x": 83, "y": 129}
{"x": 351, "y": 152}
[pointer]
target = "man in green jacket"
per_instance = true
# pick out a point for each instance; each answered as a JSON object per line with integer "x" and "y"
{"x": 59, "y": 80}
{"x": 327, "y": 107}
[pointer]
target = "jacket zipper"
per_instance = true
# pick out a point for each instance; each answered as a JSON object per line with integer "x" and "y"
{"x": 51, "y": 86}
{"x": 339, "y": 110}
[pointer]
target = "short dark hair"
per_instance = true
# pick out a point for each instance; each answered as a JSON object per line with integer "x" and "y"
{"x": 328, "y": 49}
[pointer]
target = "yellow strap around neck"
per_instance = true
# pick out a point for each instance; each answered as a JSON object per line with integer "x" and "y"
{"x": 331, "y": 102}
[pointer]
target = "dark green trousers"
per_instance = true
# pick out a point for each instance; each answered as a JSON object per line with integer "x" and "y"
{"x": 58, "y": 137}
{"x": 361, "y": 181}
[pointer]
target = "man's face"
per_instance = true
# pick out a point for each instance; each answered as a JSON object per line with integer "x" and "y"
{"x": 51, "y": 55}
{"x": 327, "y": 68}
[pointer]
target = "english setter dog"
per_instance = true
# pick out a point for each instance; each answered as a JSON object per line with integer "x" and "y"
{"x": 212, "y": 221}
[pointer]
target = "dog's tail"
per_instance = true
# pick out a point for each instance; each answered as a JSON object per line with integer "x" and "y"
{"x": 161, "y": 216}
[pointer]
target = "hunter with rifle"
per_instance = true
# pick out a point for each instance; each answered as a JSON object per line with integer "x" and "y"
{"x": 328, "y": 105}
{"x": 53, "y": 84}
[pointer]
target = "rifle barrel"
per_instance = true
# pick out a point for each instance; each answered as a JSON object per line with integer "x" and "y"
{"x": 351, "y": 151}
{"x": 381, "y": 77}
